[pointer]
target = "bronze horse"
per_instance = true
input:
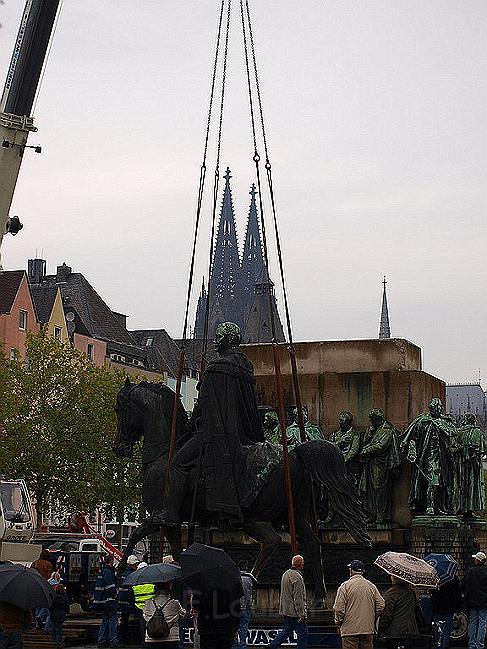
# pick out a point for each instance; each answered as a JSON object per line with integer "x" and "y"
{"x": 144, "y": 410}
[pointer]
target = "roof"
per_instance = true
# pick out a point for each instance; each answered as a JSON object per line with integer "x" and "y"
{"x": 162, "y": 350}
{"x": 10, "y": 281}
{"x": 97, "y": 317}
{"x": 43, "y": 298}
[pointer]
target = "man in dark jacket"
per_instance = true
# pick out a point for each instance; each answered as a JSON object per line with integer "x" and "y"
{"x": 126, "y": 599}
{"x": 445, "y": 602}
{"x": 13, "y": 621}
{"x": 59, "y": 609}
{"x": 475, "y": 589}
{"x": 398, "y": 619}
{"x": 105, "y": 600}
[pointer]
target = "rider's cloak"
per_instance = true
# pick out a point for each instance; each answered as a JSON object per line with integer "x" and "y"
{"x": 235, "y": 462}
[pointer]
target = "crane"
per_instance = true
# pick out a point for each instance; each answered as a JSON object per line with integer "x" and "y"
{"x": 16, "y": 121}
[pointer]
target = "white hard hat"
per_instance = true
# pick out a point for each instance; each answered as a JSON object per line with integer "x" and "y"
{"x": 132, "y": 560}
{"x": 480, "y": 556}
{"x": 142, "y": 564}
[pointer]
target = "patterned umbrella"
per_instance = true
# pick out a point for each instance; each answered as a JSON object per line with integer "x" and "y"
{"x": 408, "y": 568}
{"x": 444, "y": 564}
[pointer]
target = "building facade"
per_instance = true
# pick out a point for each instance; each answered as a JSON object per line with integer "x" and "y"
{"x": 17, "y": 312}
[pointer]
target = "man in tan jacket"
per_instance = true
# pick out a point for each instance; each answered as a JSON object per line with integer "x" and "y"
{"x": 357, "y": 606}
{"x": 292, "y": 606}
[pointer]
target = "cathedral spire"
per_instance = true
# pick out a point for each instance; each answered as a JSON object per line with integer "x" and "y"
{"x": 225, "y": 279}
{"x": 258, "y": 328}
{"x": 384, "y": 328}
{"x": 252, "y": 259}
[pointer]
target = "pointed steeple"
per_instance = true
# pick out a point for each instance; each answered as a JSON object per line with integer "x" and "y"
{"x": 258, "y": 328}
{"x": 384, "y": 328}
{"x": 199, "y": 322}
{"x": 252, "y": 259}
{"x": 225, "y": 280}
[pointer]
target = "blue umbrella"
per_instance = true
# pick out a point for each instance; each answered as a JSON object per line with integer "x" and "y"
{"x": 444, "y": 564}
{"x": 155, "y": 573}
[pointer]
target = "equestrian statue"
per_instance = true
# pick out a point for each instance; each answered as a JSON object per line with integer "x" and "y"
{"x": 223, "y": 472}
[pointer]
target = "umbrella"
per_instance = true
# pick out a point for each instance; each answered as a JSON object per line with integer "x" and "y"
{"x": 156, "y": 573}
{"x": 24, "y": 587}
{"x": 444, "y": 564}
{"x": 408, "y": 568}
{"x": 206, "y": 568}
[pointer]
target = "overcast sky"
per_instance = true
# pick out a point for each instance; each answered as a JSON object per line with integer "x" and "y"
{"x": 376, "y": 115}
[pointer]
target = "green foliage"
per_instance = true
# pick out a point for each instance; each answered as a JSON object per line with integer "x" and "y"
{"x": 58, "y": 423}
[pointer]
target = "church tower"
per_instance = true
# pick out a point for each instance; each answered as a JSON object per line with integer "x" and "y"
{"x": 384, "y": 327}
{"x": 252, "y": 259}
{"x": 224, "y": 284}
{"x": 258, "y": 328}
{"x": 199, "y": 323}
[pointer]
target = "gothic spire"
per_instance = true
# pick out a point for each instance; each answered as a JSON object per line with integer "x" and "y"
{"x": 225, "y": 277}
{"x": 384, "y": 328}
{"x": 258, "y": 328}
{"x": 252, "y": 260}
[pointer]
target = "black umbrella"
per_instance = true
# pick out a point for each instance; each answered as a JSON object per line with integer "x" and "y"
{"x": 156, "y": 573}
{"x": 24, "y": 587}
{"x": 206, "y": 568}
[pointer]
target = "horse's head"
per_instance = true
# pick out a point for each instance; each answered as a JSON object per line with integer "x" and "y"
{"x": 146, "y": 409}
{"x": 129, "y": 421}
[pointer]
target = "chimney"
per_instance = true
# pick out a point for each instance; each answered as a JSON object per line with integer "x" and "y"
{"x": 36, "y": 270}
{"x": 62, "y": 273}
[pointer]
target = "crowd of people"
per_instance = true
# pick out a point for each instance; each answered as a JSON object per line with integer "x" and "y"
{"x": 362, "y": 615}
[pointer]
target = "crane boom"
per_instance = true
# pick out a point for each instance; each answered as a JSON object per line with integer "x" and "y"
{"x": 16, "y": 121}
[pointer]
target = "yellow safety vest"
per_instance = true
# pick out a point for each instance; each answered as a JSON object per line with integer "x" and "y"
{"x": 142, "y": 593}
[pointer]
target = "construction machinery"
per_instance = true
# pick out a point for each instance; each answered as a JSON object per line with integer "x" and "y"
{"x": 16, "y": 121}
{"x": 17, "y": 523}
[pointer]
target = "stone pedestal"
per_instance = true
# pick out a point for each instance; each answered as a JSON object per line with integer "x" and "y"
{"x": 447, "y": 535}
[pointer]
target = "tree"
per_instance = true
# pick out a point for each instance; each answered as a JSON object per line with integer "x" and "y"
{"x": 57, "y": 424}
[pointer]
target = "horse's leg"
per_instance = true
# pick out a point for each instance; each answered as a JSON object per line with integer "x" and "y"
{"x": 269, "y": 539}
{"x": 174, "y": 538}
{"x": 312, "y": 553}
{"x": 137, "y": 534}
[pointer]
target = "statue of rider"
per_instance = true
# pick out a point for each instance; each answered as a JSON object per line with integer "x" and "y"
{"x": 227, "y": 431}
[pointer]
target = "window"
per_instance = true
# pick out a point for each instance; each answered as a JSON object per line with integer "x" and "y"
{"x": 90, "y": 351}
{"x": 58, "y": 333}
{"x": 22, "y": 320}
{"x": 13, "y": 354}
{"x": 148, "y": 342}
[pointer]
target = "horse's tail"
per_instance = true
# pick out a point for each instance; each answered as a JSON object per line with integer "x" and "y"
{"x": 325, "y": 464}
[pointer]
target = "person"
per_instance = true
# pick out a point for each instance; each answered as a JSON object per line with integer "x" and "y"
{"x": 142, "y": 592}
{"x": 245, "y": 610}
{"x": 43, "y": 565}
{"x": 428, "y": 442}
{"x": 293, "y": 606}
{"x": 13, "y": 621}
{"x": 126, "y": 600}
{"x": 105, "y": 600}
{"x": 218, "y": 618}
{"x": 380, "y": 459}
{"x": 357, "y": 606}
{"x": 173, "y": 611}
{"x": 58, "y": 611}
{"x": 398, "y": 619}
{"x": 444, "y": 603}
{"x": 348, "y": 440}
{"x": 475, "y": 590}
{"x": 55, "y": 578}
{"x": 228, "y": 438}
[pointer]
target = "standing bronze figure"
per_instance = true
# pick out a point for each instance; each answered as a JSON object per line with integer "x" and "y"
{"x": 428, "y": 442}
{"x": 348, "y": 441}
{"x": 471, "y": 450}
{"x": 380, "y": 459}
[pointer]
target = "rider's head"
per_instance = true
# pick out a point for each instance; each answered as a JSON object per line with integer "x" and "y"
{"x": 228, "y": 335}
{"x": 435, "y": 407}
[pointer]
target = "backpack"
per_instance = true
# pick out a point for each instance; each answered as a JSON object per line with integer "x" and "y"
{"x": 157, "y": 627}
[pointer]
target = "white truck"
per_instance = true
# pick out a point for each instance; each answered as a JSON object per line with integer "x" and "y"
{"x": 16, "y": 523}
